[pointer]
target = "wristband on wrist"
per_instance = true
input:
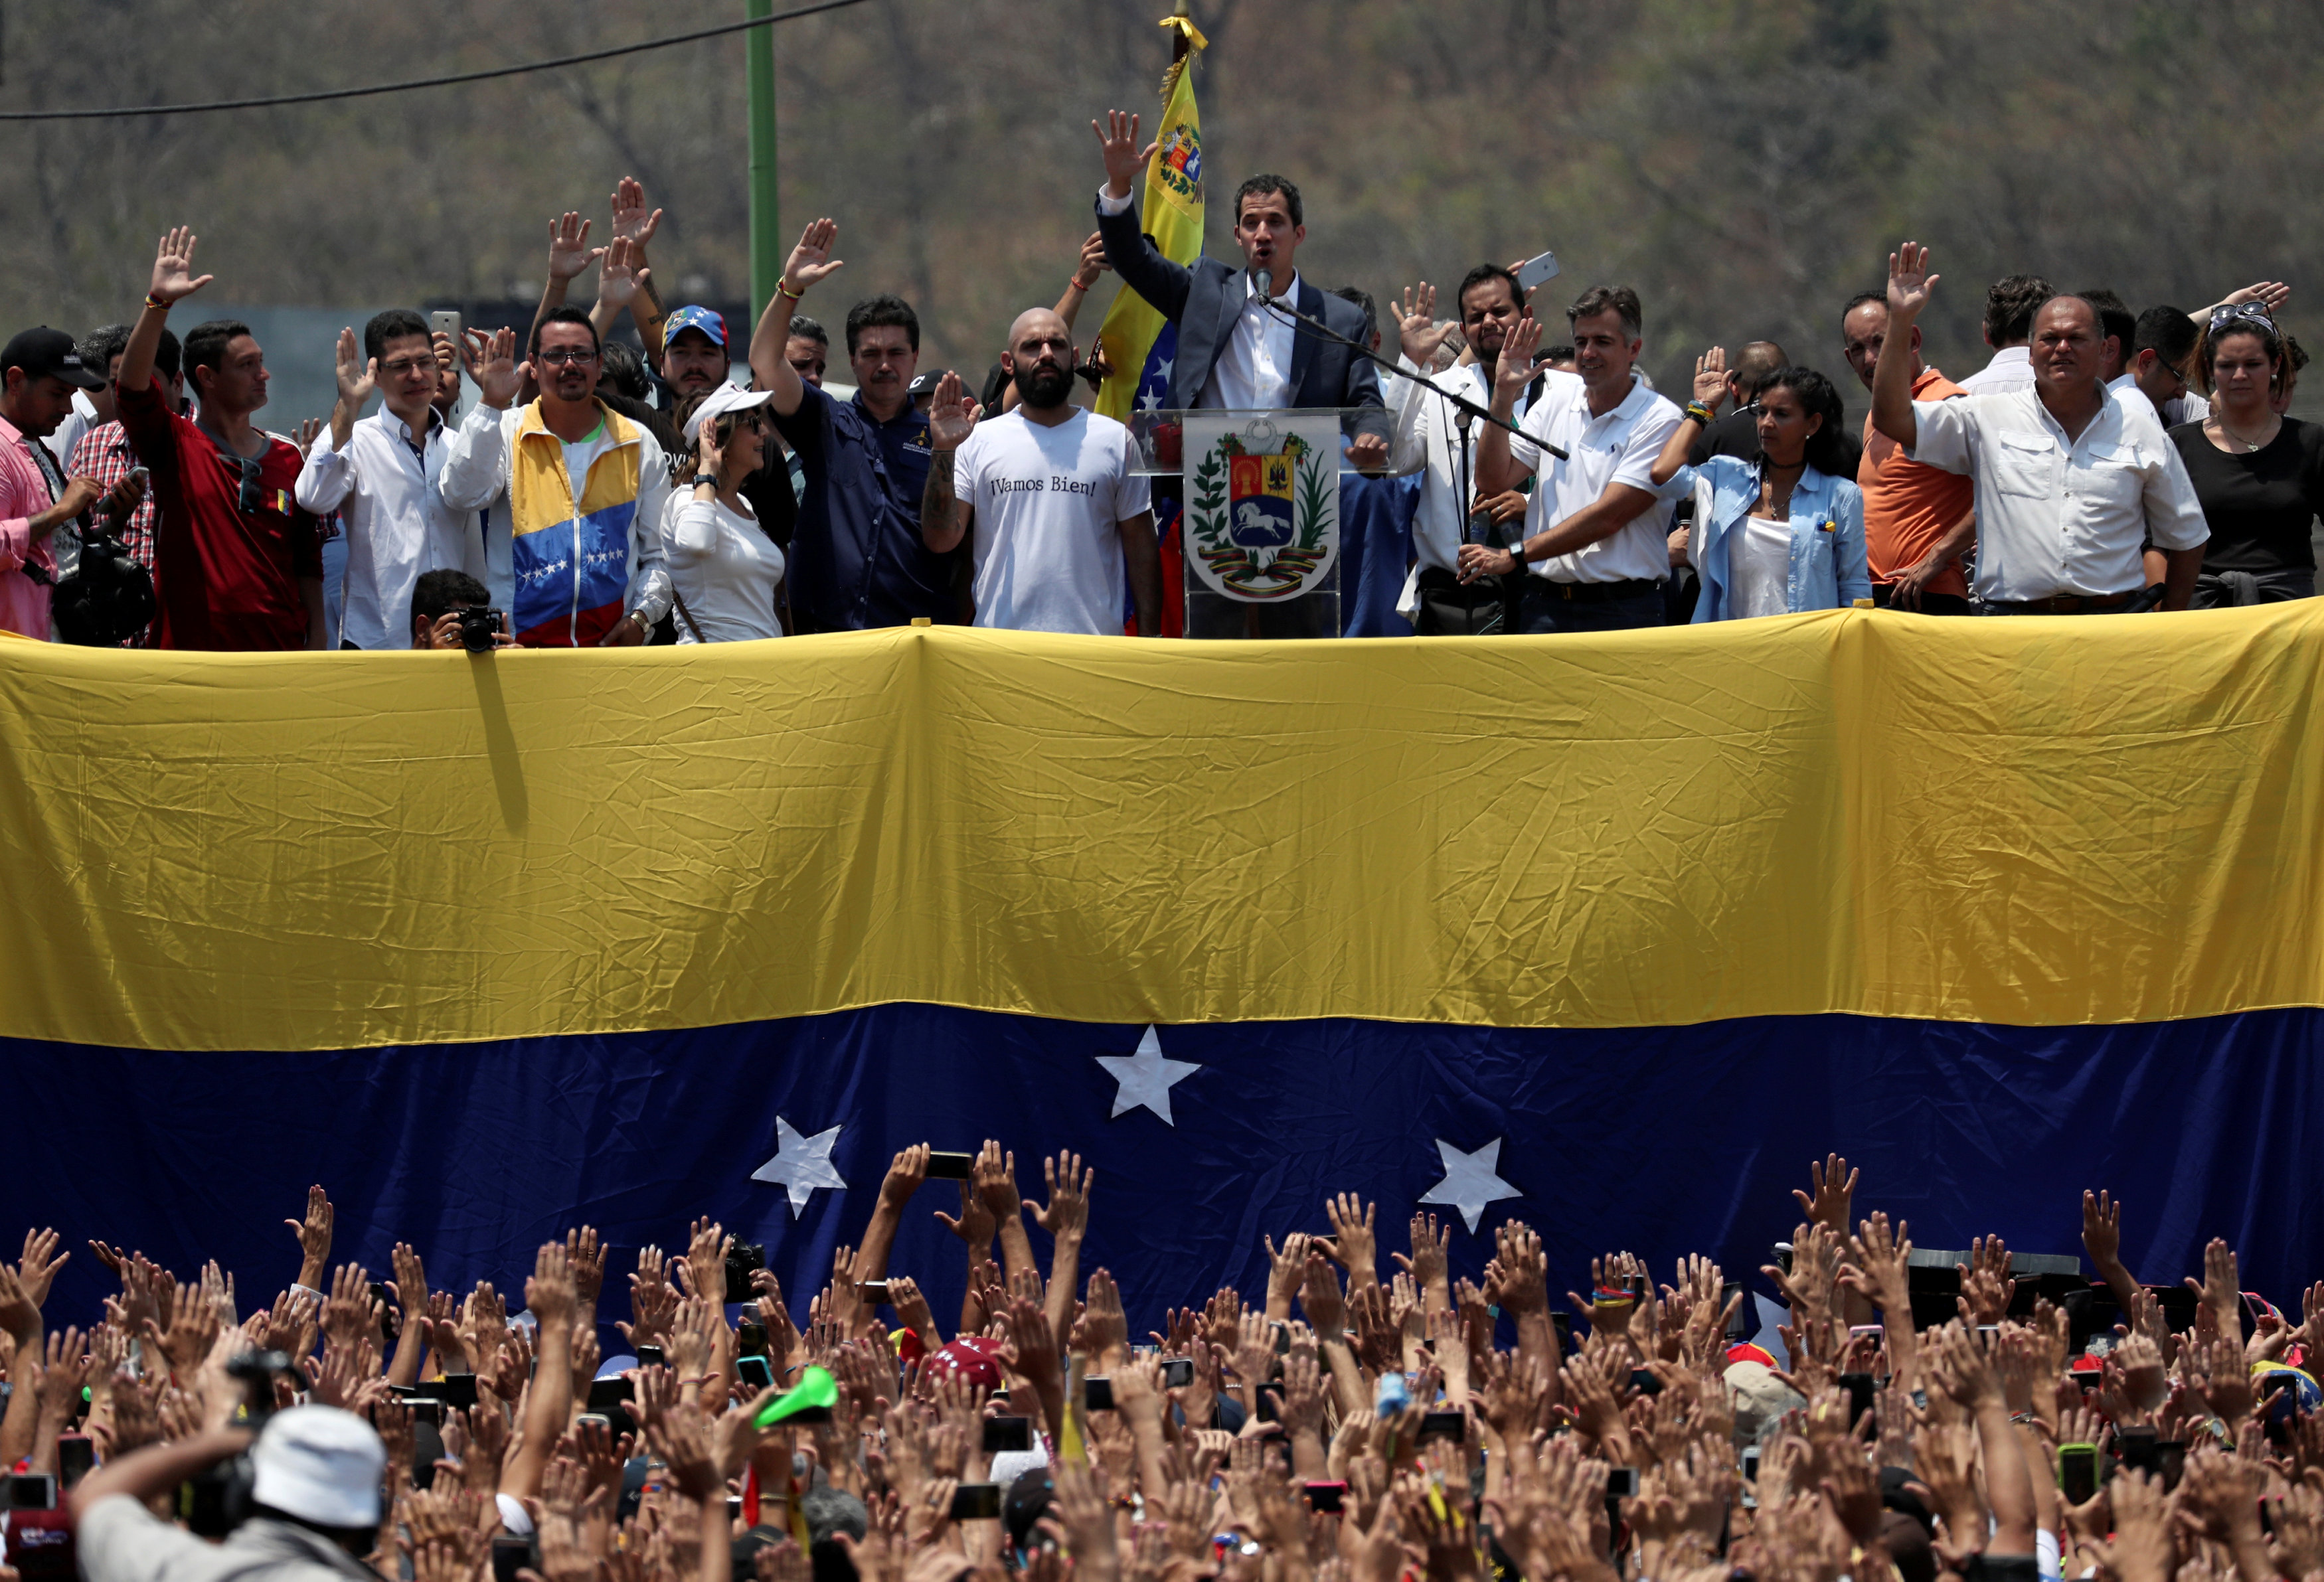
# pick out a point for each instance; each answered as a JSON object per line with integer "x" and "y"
{"x": 1699, "y": 412}
{"x": 153, "y": 301}
{"x": 783, "y": 288}
{"x": 704, "y": 481}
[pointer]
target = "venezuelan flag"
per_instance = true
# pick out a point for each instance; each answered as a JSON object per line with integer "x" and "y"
{"x": 1138, "y": 341}
{"x": 1609, "y": 933}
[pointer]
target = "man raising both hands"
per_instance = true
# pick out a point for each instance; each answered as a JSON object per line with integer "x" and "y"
{"x": 1047, "y": 489}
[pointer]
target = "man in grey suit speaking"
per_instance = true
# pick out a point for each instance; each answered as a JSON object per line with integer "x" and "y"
{"x": 1234, "y": 350}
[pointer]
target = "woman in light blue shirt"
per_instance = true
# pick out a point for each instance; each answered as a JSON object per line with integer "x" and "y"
{"x": 1783, "y": 534}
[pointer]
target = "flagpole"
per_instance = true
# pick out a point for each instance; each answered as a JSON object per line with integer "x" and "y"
{"x": 766, "y": 251}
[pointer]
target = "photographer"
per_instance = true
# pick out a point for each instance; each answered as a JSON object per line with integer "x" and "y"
{"x": 315, "y": 1497}
{"x": 437, "y": 600}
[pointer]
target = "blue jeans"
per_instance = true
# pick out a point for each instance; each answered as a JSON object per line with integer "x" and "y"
{"x": 1546, "y": 610}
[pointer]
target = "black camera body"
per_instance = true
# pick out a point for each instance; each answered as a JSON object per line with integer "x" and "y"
{"x": 218, "y": 1500}
{"x": 107, "y": 600}
{"x": 741, "y": 1258}
{"x": 479, "y": 625}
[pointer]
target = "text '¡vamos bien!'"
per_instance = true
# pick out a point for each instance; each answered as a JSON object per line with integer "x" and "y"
{"x": 1055, "y": 483}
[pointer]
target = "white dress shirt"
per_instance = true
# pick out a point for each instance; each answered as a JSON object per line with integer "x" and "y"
{"x": 398, "y": 526}
{"x": 2057, "y": 516}
{"x": 2012, "y": 368}
{"x": 2189, "y": 408}
{"x": 1619, "y": 448}
{"x": 1436, "y": 440}
{"x": 77, "y": 422}
{"x": 1253, "y": 372}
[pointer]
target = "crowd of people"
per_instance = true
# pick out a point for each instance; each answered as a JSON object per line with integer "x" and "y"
{"x": 2103, "y": 460}
{"x": 1356, "y": 1421}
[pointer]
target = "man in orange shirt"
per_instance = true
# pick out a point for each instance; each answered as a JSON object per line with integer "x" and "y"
{"x": 1919, "y": 521}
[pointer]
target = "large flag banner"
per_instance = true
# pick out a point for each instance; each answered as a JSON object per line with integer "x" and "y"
{"x": 1609, "y": 934}
{"x": 1138, "y": 341}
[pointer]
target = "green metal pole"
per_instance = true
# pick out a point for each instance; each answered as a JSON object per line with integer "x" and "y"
{"x": 767, "y": 249}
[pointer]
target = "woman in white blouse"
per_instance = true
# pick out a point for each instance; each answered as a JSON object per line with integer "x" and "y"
{"x": 724, "y": 567}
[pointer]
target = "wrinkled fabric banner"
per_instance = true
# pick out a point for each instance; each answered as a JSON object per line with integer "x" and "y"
{"x": 2030, "y": 822}
{"x": 1659, "y": 1141}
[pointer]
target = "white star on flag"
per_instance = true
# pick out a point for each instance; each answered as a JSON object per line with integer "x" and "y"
{"x": 1470, "y": 1181}
{"x": 1146, "y": 1077}
{"x": 801, "y": 1164}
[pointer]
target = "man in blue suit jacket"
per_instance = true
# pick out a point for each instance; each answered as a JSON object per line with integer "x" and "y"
{"x": 1233, "y": 352}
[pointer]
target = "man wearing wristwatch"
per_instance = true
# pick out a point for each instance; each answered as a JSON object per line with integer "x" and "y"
{"x": 572, "y": 492}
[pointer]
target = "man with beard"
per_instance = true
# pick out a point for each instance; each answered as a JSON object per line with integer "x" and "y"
{"x": 1047, "y": 491}
{"x": 579, "y": 487}
{"x": 1445, "y": 440}
{"x": 857, "y": 559}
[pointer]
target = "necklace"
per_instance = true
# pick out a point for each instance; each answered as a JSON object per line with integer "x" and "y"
{"x": 2252, "y": 444}
{"x": 1779, "y": 508}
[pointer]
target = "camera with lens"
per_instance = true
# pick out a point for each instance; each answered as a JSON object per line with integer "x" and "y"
{"x": 216, "y": 1501}
{"x": 479, "y": 625}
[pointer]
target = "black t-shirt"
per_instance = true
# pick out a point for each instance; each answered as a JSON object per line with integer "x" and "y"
{"x": 2260, "y": 505}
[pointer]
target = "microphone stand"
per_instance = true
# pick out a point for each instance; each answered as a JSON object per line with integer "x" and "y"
{"x": 1277, "y": 306}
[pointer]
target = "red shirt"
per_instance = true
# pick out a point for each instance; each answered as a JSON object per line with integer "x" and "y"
{"x": 226, "y": 578}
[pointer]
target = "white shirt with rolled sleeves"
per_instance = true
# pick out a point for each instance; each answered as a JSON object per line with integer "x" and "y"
{"x": 477, "y": 461}
{"x": 1430, "y": 440}
{"x": 2055, "y": 516}
{"x": 1253, "y": 372}
{"x": 1619, "y": 448}
{"x": 397, "y": 525}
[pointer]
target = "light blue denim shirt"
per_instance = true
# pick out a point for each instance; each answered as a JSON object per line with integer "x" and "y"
{"x": 1827, "y": 571}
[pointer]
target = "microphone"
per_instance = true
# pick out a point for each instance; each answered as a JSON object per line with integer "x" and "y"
{"x": 1263, "y": 280}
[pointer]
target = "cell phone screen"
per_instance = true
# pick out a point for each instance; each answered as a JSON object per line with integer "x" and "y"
{"x": 1008, "y": 1433}
{"x": 2077, "y": 1472}
{"x": 756, "y": 1371}
{"x": 976, "y": 1502}
{"x": 950, "y": 1166}
{"x": 1177, "y": 1372}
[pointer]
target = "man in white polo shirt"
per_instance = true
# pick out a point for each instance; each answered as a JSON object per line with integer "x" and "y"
{"x": 2071, "y": 477}
{"x": 1048, "y": 491}
{"x": 1598, "y": 531}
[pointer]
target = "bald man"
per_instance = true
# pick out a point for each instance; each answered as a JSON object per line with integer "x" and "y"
{"x": 2068, "y": 476}
{"x": 1059, "y": 520}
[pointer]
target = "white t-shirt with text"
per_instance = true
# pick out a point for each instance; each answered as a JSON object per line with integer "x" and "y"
{"x": 1048, "y": 503}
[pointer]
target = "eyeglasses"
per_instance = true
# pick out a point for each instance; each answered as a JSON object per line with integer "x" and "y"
{"x": 404, "y": 366}
{"x": 250, "y": 470}
{"x": 2254, "y": 313}
{"x": 556, "y": 355}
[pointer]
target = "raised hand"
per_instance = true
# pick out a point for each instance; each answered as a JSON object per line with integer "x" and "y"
{"x": 1710, "y": 389}
{"x": 38, "y": 1270}
{"x": 490, "y": 361}
{"x": 1352, "y": 1244}
{"x": 357, "y": 375}
{"x": 952, "y": 418}
{"x": 811, "y": 261}
{"x": 1909, "y": 281}
{"x": 2270, "y": 294}
{"x": 173, "y": 266}
{"x": 569, "y": 252}
{"x": 1421, "y": 336}
{"x": 975, "y": 1224}
{"x": 2220, "y": 1288}
{"x": 1514, "y": 370}
{"x": 1116, "y": 141}
{"x": 632, "y": 220}
{"x": 994, "y": 1175}
{"x": 623, "y": 273}
{"x": 1432, "y": 1252}
{"x": 709, "y": 451}
{"x": 1986, "y": 1286}
{"x": 2102, "y": 1228}
{"x": 314, "y": 1234}
{"x": 1093, "y": 262}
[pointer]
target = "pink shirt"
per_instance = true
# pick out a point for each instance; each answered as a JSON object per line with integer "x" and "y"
{"x": 23, "y": 494}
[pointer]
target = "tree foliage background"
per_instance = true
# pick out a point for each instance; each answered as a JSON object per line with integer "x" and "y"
{"x": 1745, "y": 163}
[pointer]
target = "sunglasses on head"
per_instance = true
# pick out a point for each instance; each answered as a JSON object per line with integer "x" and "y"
{"x": 2252, "y": 313}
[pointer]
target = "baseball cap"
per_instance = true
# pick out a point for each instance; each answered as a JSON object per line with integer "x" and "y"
{"x": 924, "y": 384}
{"x": 320, "y": 1464}
{"x": 701, "y": 318}
{"x": 725, "y": 399}
{"x": 972, "y": 1358}
{"x": 44, "y": 352}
